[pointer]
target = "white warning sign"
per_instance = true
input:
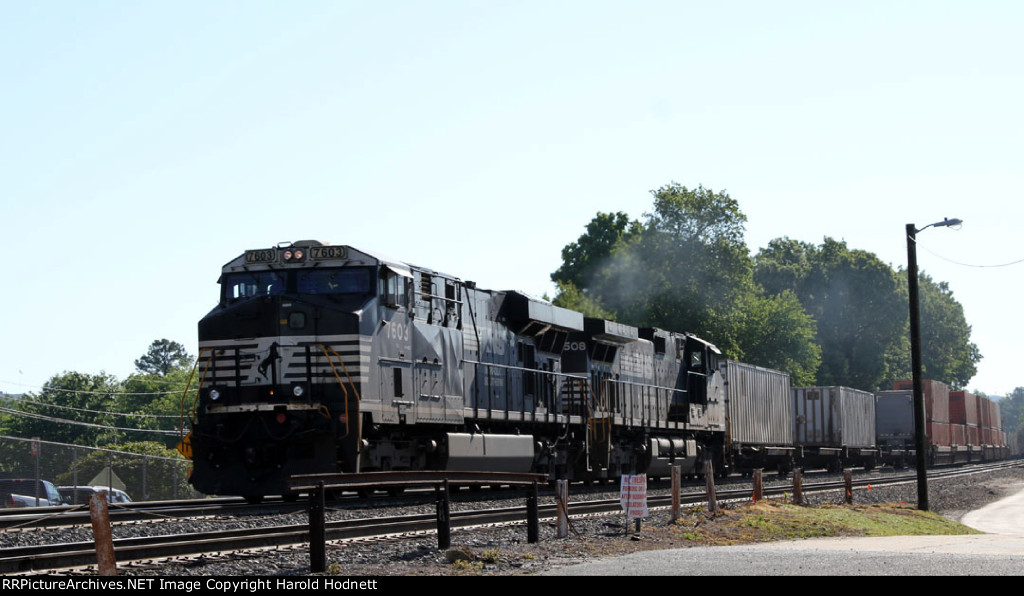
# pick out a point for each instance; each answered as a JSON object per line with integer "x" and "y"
{"x": 633, "y": 496}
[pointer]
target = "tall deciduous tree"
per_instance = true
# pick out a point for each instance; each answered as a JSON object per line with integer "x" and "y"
{"x": 686, "y": 268}
{"x": 947, "y": 352}
{"x": 71, "y": 408}
{"x": 582, "y": 258}
{"x": 776, "y": 332}
{"x": 854, "y": 297}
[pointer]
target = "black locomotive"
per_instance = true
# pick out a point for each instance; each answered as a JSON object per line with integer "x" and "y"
{"x": 323, "y": 359}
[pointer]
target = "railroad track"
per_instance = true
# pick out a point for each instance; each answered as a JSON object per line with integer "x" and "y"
{"x": 141, "y": 511}
{"x": 76, "y": 515}
{"x": 41, "y": 558}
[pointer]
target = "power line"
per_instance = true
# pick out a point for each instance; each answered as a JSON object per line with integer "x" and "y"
{"x": 87, "y": 424}
{"x": 101, "y": 412}
{"x": 87, "y": 392}
{"x": 947, "y": 259}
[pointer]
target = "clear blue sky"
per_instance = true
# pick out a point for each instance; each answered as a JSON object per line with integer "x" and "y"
{"x": 145, "y": 144}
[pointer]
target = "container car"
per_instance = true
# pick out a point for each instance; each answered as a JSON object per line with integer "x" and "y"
{"x": 834, "y": 427}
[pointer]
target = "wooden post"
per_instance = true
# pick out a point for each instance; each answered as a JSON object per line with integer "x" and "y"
{"x": 532, "y": 516}
{"x": 100, "y": 516}
{"x": 444, "y": 529}
{"x": 798, "y": 486}
{"x": 758, "y": 485}
{"x": 709, "y": 480}
{"x": 676, "y": 482}
{"x": 562, "y": 501}
{"x": 317, "y": 531}
{"x": 848, "y": 481}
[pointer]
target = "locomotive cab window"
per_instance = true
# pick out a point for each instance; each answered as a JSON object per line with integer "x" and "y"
{"x": 393, "y": 288}
{"x": 238, "y": 286}
{"x": 696, "y": 360}
{"x": 351, "y": 280}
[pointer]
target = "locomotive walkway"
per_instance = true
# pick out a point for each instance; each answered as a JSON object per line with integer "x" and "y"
{"x": 998, "y": 552}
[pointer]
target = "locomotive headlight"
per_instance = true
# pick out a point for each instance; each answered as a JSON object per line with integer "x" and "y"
{"x": 297, "y": 390}
{"x": 293, "y": 255}
{"x": 214, "y": 394}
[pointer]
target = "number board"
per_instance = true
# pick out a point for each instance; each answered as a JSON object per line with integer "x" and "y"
{"x": 265, "y": 255}
{"x": 327, "y": 252}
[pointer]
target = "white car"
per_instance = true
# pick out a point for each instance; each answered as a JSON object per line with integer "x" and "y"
{"x": 80, "y": 495}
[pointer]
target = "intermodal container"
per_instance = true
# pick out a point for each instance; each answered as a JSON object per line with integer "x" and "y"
{"x": 936, "y": 398}
{"x": 759, "y": 404}
{"x": 834, "y": 417}
{"x": 938, "y": 433}
{"x": 894, "y": 417}
{"x": 963, "y": 407}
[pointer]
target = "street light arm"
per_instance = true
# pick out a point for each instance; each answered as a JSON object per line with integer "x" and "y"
{"x": 945, "y": 223}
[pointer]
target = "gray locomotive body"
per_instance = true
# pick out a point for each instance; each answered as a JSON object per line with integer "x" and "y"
{"x": 323, "y": 359}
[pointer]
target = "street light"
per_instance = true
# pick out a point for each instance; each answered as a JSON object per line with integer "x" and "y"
{"x": 915, "y": 356}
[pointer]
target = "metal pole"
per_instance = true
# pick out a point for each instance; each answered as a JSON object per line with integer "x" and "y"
{"x": 317, "y": 530}
{"x": 532, "y": 515}
{"x": 676, "y": 486}
{"x": 915, "y": 358}
{"x": 798, "y": 486}
{"x": 444, "y": 528}
{"x": 38, "y": 479}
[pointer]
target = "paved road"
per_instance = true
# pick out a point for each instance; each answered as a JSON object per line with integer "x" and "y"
{"x": 998, "y": 552}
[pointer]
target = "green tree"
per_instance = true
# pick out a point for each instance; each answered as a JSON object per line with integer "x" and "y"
{"x": 947, "y": 352}
{"x": 580, "y": 259}
{"x": 162, "y": 357}
{"x": 685, "y": 268}
{"x": 72, "y": 407}
{"x": 569, "y": 296}
{"x": 1011, "y": 410}
{"x": 855, "y": 298}
{"x": 778, "y": 333}
{"x": 155, "y": 402}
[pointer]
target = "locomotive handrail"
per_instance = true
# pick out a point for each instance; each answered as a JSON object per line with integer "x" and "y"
{"x": 439, "y": 297}
{"x": 629, "y": 397}
{"x": 605, "y": 422}
{"x": 188, "y": 386}
{"x": 523, "y": 368}
{"x": 327, "y": 350}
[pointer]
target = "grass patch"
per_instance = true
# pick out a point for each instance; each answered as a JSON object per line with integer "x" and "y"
{"x": 768, "y": 521}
